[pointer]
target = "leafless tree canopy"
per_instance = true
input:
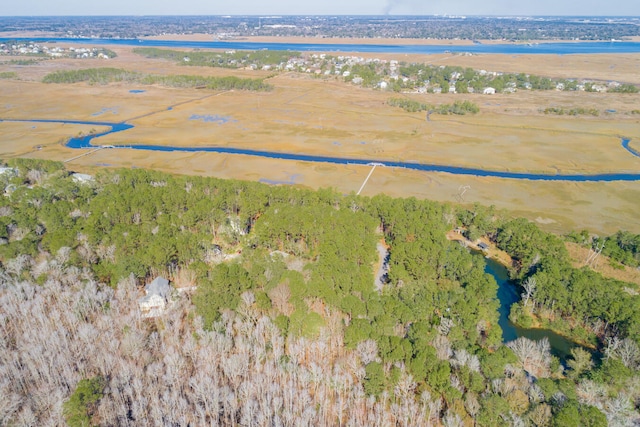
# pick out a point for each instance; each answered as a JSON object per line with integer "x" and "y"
{"x": 168, "y": 370}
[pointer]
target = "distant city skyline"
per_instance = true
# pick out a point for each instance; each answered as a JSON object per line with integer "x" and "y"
{"x": 327, "y": 7}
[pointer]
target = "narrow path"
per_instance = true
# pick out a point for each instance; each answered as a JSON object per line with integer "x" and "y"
{"x": 171, "y": 107}
{"x": 383, "y": 266}
{"x": 84, "y": 154}
{"x": 368, "y": 176}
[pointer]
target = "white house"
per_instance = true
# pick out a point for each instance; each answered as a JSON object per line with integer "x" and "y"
{"x": 81, "y": 178}
{"x": 158, "y": 293}
{"x": 8, "y": 171}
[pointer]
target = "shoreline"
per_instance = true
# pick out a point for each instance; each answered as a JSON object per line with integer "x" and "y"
{"x": 365, "y": 40}
{"x": 537, "y": 326}
{"x": 200, "y": 37}
{"x": 502, "y": 258}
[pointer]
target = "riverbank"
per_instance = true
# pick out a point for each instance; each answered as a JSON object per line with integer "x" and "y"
{"x": 537, "y": 322}
{"x": 508, "y": 295}
{"x": 498, "y": 264}
{"x": 359, "y": 40}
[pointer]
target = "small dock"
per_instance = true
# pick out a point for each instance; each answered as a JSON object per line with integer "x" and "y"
{"x": 368, "y": 176}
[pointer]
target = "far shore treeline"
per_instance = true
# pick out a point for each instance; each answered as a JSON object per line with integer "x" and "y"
{"x": 113, "y": 75}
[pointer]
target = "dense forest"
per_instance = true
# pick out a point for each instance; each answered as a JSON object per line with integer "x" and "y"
{"x": 277, "y": 318}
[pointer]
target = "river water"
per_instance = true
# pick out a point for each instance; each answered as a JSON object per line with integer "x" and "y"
{"x": 86, "y": 142}
{"x": 505, "y": 49}
{"x": 508, "y": 294}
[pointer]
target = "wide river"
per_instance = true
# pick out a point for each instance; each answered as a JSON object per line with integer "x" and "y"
{"x": 565, "y": 48}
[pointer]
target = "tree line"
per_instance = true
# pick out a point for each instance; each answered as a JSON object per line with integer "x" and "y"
{"x": 112, "y": 75}
{"x": 228, "y": 59}
{"x": 458, "y": 107}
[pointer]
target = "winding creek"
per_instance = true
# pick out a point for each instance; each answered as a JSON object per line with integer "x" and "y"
{"x": 86, "y": 142}
{"x": 508, "y": 295}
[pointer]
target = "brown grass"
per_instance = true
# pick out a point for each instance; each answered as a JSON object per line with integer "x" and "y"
{"x": 604, "y": 265}
{"x": 327, "y": 117}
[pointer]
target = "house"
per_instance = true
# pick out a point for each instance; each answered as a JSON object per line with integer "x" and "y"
{"x": 483, "y": 246}
{"x": 9, "y": 189}
{"x": 81, "y": 178}
{"x": 8, "y": 171}
{"x": 158, "y": 293}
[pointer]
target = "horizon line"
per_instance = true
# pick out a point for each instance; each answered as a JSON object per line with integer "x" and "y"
{"x": 280, "y": 15}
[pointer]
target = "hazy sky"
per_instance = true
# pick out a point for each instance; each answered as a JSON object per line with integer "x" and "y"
{"x": 321, "y": 7}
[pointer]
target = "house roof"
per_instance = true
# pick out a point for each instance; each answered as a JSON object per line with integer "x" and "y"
{"x": 159, "y": 286}
{"x": 8, "y": 171}
{"x": 81, "y": 177}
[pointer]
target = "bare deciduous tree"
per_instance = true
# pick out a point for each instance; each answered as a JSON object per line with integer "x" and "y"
{"x": 529, "y": 288}
{"x": 534, "y": 356}
{"x": 280, "y": 298}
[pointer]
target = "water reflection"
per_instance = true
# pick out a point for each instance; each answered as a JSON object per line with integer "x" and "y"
{"x": 508, "y": 294}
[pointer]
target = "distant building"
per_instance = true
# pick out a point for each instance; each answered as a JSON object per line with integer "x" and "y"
{"x": 158, "y": 293}
{"x": 81, "y": 178}
{"x": 8, "y": 171}
{"x": 9, "y": 189}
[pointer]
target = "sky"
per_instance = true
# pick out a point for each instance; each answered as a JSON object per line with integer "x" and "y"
{"x": 321, "y": 7}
